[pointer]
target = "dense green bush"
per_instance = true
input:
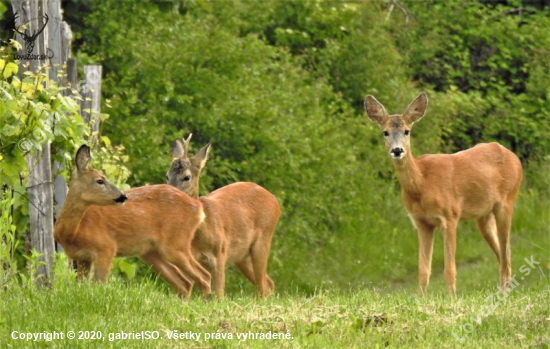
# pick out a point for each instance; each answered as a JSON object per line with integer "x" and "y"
{"x": 278, "y": 87}
{"x": 498, "y": 56}
{"x": 34, "y": 110}
{"x": 345, "y": 43}
{"x": 495, "y": 54}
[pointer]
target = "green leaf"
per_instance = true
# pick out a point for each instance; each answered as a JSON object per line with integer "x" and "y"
{"x": 3, "y": 9}
{"x": 106, "y": 141}
{"x": 10, "y": 69}
{"x": 128, "y": 269}
{"x": 8, "y": 130}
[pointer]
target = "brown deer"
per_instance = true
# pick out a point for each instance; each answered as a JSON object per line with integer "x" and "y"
{"x": 480, "y": 183}
{"x": 239, "y": 224}
{"x": 157, "y": 223}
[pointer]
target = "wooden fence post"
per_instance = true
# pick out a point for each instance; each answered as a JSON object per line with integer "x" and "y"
{"x": 40, "y": 185}
{"x": 56, "y": 62}
{"x": 61, "y": 47}
{"x": 54, "y": 38}
{"x": 91, "y": 104}
{"x": 54, "y": 42}
{"x": 70, "y": 83}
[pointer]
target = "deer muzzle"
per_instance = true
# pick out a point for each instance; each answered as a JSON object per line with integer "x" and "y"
{"x": 121, "y": 199}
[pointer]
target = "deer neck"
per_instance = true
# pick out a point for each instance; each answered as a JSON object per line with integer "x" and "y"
{"x": 195, "y": 192}
{"x": 70, "y": 216}
{"x": 409, "y": 174}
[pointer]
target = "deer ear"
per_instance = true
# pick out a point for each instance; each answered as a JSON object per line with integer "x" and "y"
{"x": 200, "y": 158}
{"x": 186, "y": 145}
{"x": 374, "y": 109}
{"x": 82, "y": 158}
{"x": 416, "y": 110}
{"x": 177, "y": 149}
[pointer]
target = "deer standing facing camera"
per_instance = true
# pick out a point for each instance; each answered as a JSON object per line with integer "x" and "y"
{"x": 480, "y": 184}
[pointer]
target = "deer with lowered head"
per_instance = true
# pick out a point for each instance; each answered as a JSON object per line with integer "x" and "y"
{"x": 438, "y": 191}
{"x": 239, "y": 224}
{"x": 157, "y": 224}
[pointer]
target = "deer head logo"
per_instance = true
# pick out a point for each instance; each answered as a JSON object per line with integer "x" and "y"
{"x": 29, "y": 39}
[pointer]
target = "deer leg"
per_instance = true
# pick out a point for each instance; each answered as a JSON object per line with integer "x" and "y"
{"x": 246, "y": 268}
{"x": 503, "y": 215}
{"x": 259, "y": 254}
{"x": 270, "y": 285}
{"x": 83, "y": 270}
{"x": 449, "y": 242}
{"x": 218, "y": 275}
{"x": 102, "y": 264}
{"x": 170, "y": 273}
{"x": 184, "y": 260}
{"x": 425, "y": 252}
{"x": 488, "y": 227}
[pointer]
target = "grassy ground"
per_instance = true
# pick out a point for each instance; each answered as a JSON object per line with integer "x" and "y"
{"x": 328, "y": 319}
{"x": 345, "y": 304}
{"x": 382, "y": 250}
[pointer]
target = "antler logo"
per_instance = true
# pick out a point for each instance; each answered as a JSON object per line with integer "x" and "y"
{"x": 29, "y": 39}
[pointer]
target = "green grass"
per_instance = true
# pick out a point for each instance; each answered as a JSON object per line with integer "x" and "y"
{"x": 380, "y": 249}
{"x": 360, "y": 291}
{"x": 364, "y": 318}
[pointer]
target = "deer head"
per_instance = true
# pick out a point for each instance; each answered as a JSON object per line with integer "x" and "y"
{"x": 90, "y": 185}
{"x": 396, "y": 128}
{"x": 184, "y": 172}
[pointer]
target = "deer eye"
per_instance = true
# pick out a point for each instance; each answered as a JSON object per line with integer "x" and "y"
{"x": 407, "y": 132}
{"x": 186, "y": 178}
{"x": 386, "y": 133}
{"x": 100, "y": 181}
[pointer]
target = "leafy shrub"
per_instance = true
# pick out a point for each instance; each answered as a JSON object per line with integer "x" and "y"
{"x": 278, "y": 87}
{"x": 498, "y": 57}
{"x": 33, "y": 111}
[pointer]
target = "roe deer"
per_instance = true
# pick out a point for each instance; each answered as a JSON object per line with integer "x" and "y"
{"x": 239, "y": 224}
{"x": 480, "y": 183}
{"x": 157, "y": 223}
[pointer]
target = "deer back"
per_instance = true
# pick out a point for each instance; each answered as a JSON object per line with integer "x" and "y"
{"x": 240, "y": 213}
{"x": 471, "y": 181}
{"x": 153, "y": 215}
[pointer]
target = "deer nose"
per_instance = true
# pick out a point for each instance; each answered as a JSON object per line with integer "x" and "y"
{"x": 121, "y": 199}
{"x": 396, "y": 152}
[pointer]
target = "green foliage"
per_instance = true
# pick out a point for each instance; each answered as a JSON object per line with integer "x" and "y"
{"x": 31, "y": 278}
{"x": 326, "y": 319}
{"x": 124, "y": 267}
{"x": 33, "y": 111}
{"x": 112, "y": 160}
{"x": 278, "y": 86}
{"x": 63, "y": 275}
{"x": 3, "y": 8}
{"x": 270, "y": 121}
{"x": 495, "y": 54}
{"x": 8, "y": 240}
{"x": 29, "y": 109}
{"x": 345, "y": 43}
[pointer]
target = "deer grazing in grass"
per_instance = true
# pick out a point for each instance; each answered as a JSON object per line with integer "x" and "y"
{"x": 480, "y": 183}
{"x": 157, "y": 223}
{"x": 239, "y": 224}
